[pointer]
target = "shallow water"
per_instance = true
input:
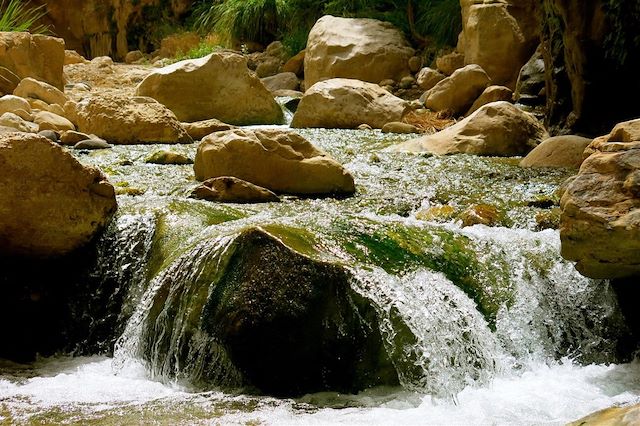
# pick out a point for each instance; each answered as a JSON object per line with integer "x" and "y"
{"x": 501, "y": 329}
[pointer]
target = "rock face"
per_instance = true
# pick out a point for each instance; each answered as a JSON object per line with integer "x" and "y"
{"x": 361, "y": 49}
{"x": 500, "y": 36}
{"x": 457, "y": 93}
{"x": 600, "y": 223}
{"x": 280, "y": 161}
{"x": 127, "y": 120}
{"x": 30, "y": 55}
{"x": 587, "y": 69}
{"x": 531, "y": 82}
{"x": 229, "y": 189}
{"x": 269, "y": 318}
{"x": 559, "y": 151}
{"x": 217, "y": 86}
{"x": 345, "y": 103}
{"x": 496, "y": 129}
{"x": 50, "y": 204}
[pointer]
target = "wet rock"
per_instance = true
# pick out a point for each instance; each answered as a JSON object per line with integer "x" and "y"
{"x": 399, "y": 127}
{"x": 31, "y": 88}
{"x": 229, "y": 189}
{"x": 271, "y": 319}
{"x": 558, "y": 151}
{"x": 480, "y": 214}
{"x": 91, "y": 144}
{"x": 200, "y": 129}
{"x": 600, "y": 224}
{"x": 121, "y": 119}
{"x": 360, "y": 49}
{"x": 549, "y": 219}
{"x": 345, "y": 103}
{"x": 282, "y": 81}
{"x": 428, "y": 77}
{"x": 491, "y": 94}
{"x": 496, "y": 129}
{"x": 32, "y": 55}
{"x": 445, "y": 212}
{"x": 168, "y": 157}
{"x": 280, "y": 161}
{"x": 217, "y": 86}
{"x": 615, "y": 416}
{"x": 457, "y": 93}
{"x": 50, "y": 204}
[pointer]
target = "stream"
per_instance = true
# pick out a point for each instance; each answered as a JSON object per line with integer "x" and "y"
{"x": 482, "y": 324}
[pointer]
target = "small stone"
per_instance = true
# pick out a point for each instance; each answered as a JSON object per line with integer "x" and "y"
{"x": 228, "y": 189}
{"x": 133, "y": 56}
{"x": 480, "y": 214}
{"x": 92, "y": 144}
{"x": 364, "y": 127}
{"x": 168, "y": 157}
{"x": 445, "y": 212}
{"x": 387, "y": 82}
{"x": 71, "y": 137}
{"x": 407, "y": 82}
{"x": 49, "y": 134}
{"x": 399, "y": 127}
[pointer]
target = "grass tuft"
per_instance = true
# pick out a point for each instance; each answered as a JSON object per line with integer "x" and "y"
{"x": 16, "y": 16}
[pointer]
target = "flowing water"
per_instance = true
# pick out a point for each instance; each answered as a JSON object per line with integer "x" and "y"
{"x": 484, "y": 325}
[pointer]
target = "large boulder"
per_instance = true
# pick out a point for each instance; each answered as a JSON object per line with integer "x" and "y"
{"x": 361, "y": 49}
{"x": 346, "y": 103}
{"x": 262, "y": 315}
{"x": 51, "y": 204}
{"x": 500, "y": 36}
{"x": 491, "y": 94}
{"x": 217, "y": 86}
{"x": 458, "y": 92}
{"x": 559, "y": 151}
{"x": 600, "y": 222}
{"x": 496, "y": 129}
{"x": 274, "y": 159}
{"x": 33, "y": 55}
{"x": 122, "y": 119}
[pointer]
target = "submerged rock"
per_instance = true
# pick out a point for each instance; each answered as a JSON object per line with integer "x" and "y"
{"x": 168, "y": 157}
{"x": 274, "y": 159}
{"x": 229, "y": 189}
{"x": 50, "y": 204}
{"x": 361, "y": 49}
{"x": 496, "y": 129}
{"x": 600, "y": 224}
{"x": 262, "y": 315}
{"x": 345, "y": 104}
{"x": 217, "y": 86}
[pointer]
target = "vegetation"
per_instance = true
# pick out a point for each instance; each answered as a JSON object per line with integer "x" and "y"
{"x": 623, "y": 40}
{"x": 426, "y": 22}
{"x": 18, "y": 16}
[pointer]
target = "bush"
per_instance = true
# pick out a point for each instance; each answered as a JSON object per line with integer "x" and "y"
{"x": 16, "y": 16}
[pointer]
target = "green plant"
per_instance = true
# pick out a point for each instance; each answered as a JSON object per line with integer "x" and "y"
{"x": 17, "y": 16}
{"x": 202, "y": 49}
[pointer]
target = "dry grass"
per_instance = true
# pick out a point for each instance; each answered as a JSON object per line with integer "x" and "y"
{"x": 428, "y": 121}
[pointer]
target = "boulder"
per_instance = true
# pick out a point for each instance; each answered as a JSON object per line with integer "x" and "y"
{"x": 280, "y": 161}
{"x": 11, "y": 103}
{"x": 72, "y": 57}
{"x": 400, "y": 127}
{"x": 415, "y": 63}
{"x": 500, "y": 36}
{"x": 450, "y": 63}
{"x": 50, "y": 134}
{"x": 428, "y": 77}
{"x": 72, "y": 137}
{"x": 268, "y": 67}
{"x": 457, "y": 93}
{"x": 496, "y": 129}
{"x": 491, "y": 94}
{"x": 228, "y": 189}
{"x": 9, "y": 119}
{"x": 199, "y": 129}
{"x": 615, "y": 416}
{"x": 559, "y": 151}
{"x": 345, "y": 103}
{"x": 31, "y": 88}
{"x": 33, "y": 55}
{"x": 93, "y": 143}
{"x": 49, "y": 121}
{"x": 264, "y": 316}
{"x": 216, "y": 86}
{"x": 122, "y": 119}
{"x": 133, "y": 56}
{"x": 360, "y": 49}
{"x": 282, "y": 81}
{"x": 600, "y": 222}
{"x": 165, "y": 157}
{"x": 50, "y": 204}
{"x": 531, "y": 82}
{"x": 295, "y": 64}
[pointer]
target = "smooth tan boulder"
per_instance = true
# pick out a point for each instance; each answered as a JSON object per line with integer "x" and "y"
{"x": 32, "y": 88}
{"x": 11, "y": 103}
{"x": 9, "y": 119}
{"x": 72, "y": 57}
{"x": 346, "y": 104}
{"x": 400, "y": 127}
{"x": 600, "y": 222}
{"x": 50, "y": 204}
{"x": 33, "y": 55}
{"x": 295, "y": 64}
{"x": 361, "y": 49}
{"x": 282, "y": 81}
{"x": 71, "y": 137}
{"x": 428, "y": 77}
{"x": 559, "y": 151}
{"x": 496, "y": 129}
{"x": 122, "y": 119}
{"x": 200, "y": 129}
{"x": 217, "y": 86}
{"x": 281, "y": 161}
{"x": 500, "y": 36}
{"x": 615, "y": 416}
{"x": 228, "y": 189}
{"x": 49, "y": 121}
{"x": 491, "y": 94}
{"x": 450, "y": 63}
{"x": 457, "y": 93}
